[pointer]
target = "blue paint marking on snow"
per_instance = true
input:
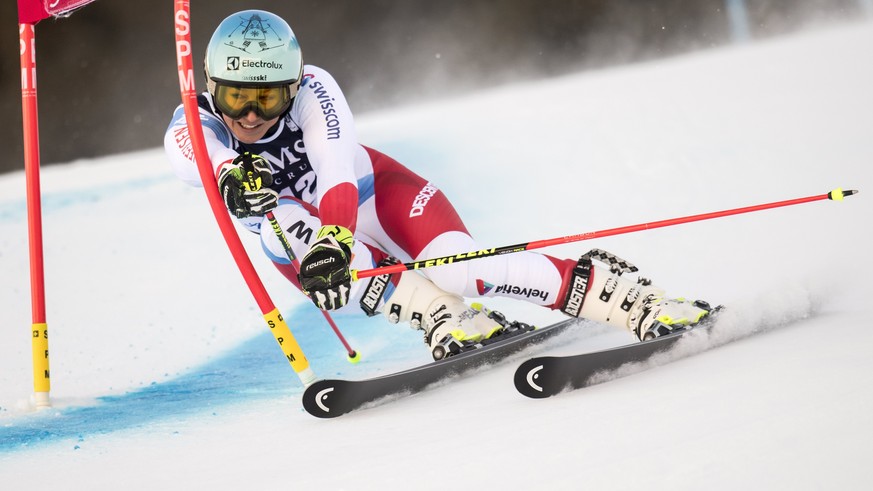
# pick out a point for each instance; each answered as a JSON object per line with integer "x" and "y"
{"x": 245, "y": 372}
{"x": 254, "y": 370}
{"x": 16, "y": 210}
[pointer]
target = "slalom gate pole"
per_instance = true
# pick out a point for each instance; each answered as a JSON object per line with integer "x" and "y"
{"x": 353, "y": 356}
{"x": 39, "y": 328}
{"x": 835, "y": 195}
{"x": 278, "y": 326}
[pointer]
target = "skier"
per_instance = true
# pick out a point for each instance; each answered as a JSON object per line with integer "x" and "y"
{"x": 281, "y": 139}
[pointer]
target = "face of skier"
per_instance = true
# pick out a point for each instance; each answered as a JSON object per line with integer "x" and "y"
{"x": 251, "y": 111}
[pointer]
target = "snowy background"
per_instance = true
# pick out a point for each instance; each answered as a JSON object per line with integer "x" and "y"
{"x": 164, "y": 375}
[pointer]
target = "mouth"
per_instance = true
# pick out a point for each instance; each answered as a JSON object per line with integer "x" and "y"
{"x": 247, "y": 126}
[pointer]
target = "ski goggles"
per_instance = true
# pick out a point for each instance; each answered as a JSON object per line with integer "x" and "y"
{"x": 235, "y": 101}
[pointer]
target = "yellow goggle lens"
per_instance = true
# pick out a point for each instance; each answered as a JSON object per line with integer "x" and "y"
{"x": 267, "y": 102}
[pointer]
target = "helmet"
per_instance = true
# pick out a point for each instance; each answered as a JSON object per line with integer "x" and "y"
{"x": 253, "y": 63}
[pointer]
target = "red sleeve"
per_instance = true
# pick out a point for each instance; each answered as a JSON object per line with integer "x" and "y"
{"x": 339, "y": 206}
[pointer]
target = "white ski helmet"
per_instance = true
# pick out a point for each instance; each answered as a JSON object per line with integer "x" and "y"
{"x": 253, "y": 49}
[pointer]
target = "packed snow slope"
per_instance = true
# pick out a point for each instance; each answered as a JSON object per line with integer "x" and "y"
{"x": 165, "y": 377}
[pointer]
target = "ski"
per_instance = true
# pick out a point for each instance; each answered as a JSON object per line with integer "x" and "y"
{"x": 546, "y": 376}
{"x": 333, "y": 398}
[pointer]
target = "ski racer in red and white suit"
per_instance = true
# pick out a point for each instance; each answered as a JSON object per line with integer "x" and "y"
{"x": 322, "y": 176}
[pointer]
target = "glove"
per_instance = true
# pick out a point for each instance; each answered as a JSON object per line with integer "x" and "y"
{"x": 243, "y": 185}
{"x": 324, "y": 271}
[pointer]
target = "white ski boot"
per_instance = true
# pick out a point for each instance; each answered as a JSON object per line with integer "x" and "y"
{"x": 605, "y": 296}
{"x": 448, "y": 323}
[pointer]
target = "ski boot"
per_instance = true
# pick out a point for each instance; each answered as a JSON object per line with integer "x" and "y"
{"x": 602, "y": 295}
{"x": 660, "y": 316}
{"x": 450, "y": 326}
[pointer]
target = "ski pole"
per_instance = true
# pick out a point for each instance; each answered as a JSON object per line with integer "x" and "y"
{"x": 835, "y": 195}
{"x": 354, "y": 356}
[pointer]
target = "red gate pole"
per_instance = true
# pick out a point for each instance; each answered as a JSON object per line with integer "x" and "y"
{"x": 39, "y": 334}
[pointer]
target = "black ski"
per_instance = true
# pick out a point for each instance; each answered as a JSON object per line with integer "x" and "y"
{"x": 332, "y": 398}
{"x": 546, "y": 376}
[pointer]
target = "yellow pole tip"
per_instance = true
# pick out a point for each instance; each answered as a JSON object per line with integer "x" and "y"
{"x": 838, "y": 194}
{"x": 354, "y": 274}
{"x": 354, "y": 358}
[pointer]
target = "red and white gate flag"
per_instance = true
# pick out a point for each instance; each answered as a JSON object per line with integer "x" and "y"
{"x": 33, "y": 11}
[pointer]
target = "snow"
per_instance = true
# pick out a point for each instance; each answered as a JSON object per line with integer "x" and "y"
{"x": 165, "y": 377}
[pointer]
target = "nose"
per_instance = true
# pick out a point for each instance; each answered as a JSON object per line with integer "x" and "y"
{"x": 251, "y": 117}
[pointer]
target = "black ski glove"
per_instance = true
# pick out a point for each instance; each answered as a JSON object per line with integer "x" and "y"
{"x": 324, "y": 271}
{"x": 244, "y": 186}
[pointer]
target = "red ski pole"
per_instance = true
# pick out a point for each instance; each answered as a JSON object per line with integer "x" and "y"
{"x": 835, "y": 195}
{"x": 354, "y": 356}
